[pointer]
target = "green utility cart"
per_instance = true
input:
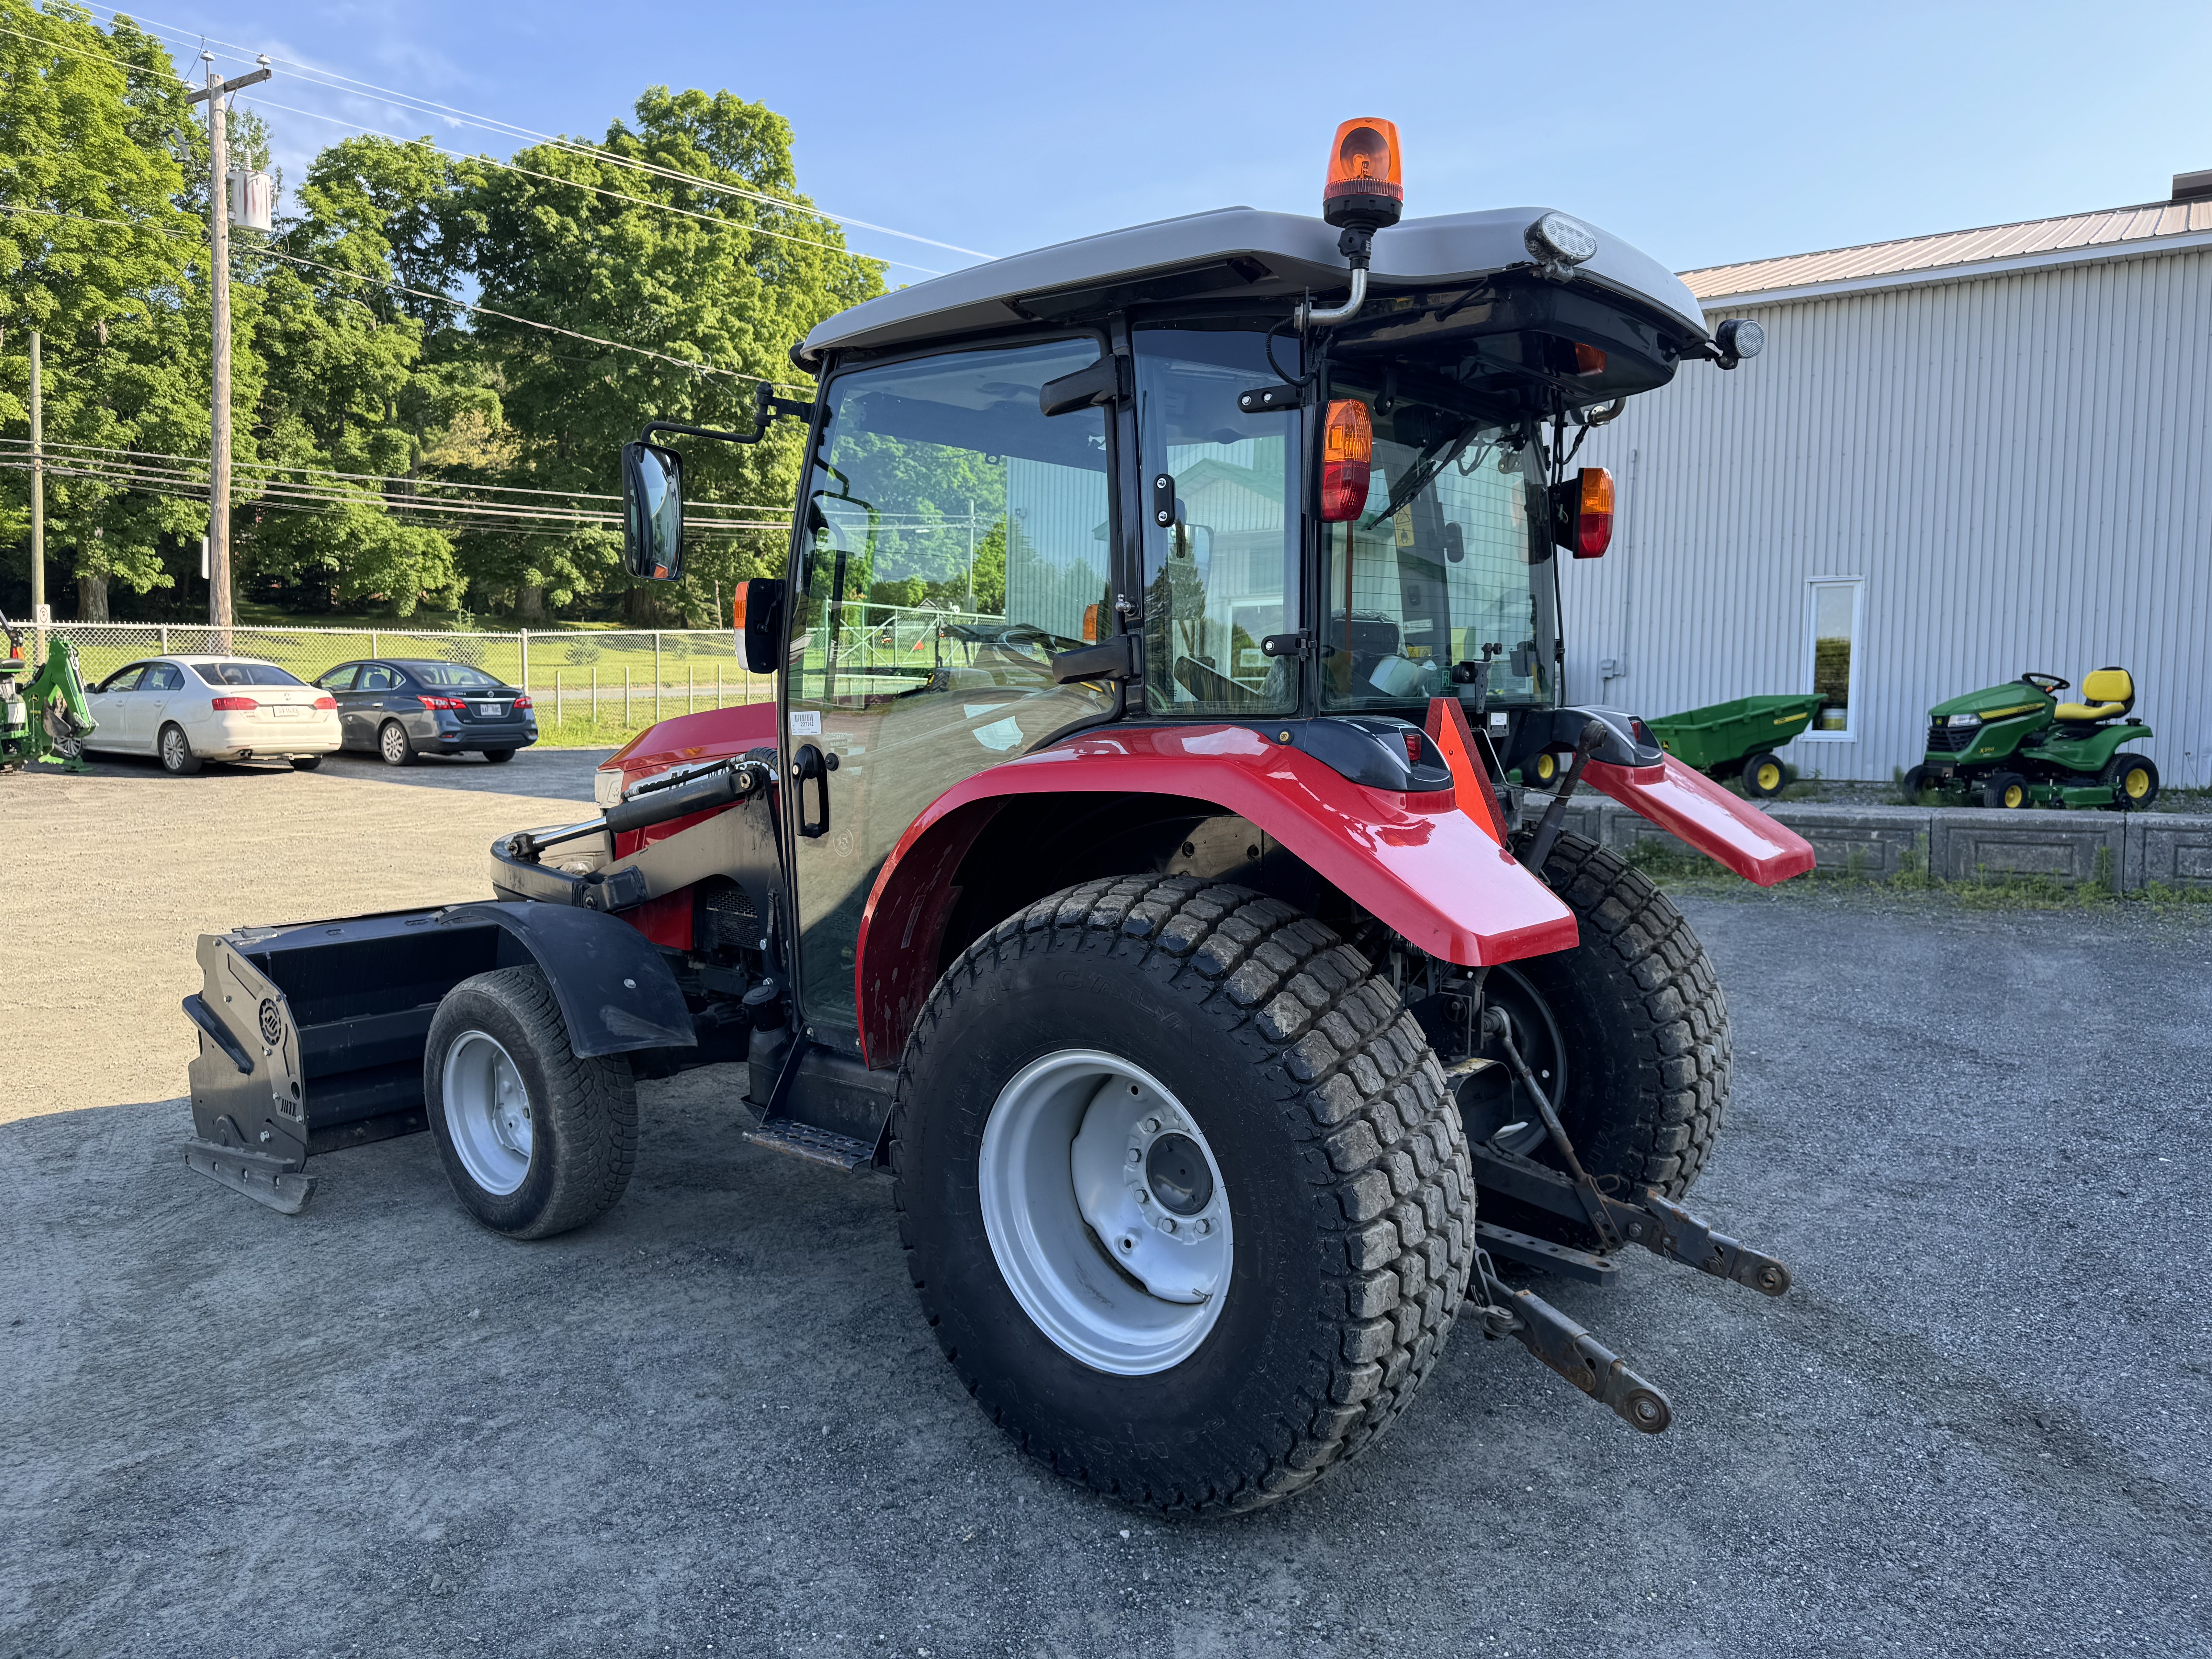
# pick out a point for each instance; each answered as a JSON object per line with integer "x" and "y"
{"x": 1739, "y": 737}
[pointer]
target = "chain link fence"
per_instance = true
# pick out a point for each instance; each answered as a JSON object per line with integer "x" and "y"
{"x": 591, "y": 685}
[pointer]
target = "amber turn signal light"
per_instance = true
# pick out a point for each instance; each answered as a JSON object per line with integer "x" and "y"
{"x": 1364, "y": 189}
{"x": 1593, "y": 512}
{"x": 1347, "y": 455}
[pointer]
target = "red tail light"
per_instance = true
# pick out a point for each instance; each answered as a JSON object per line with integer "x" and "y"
{"x": 1593, "y": 512}
{"x": 442, "y": 702}
{"x": 234, "y": 705}
{"x": 1347, "y": 457}
{"x": 326, "y": 702}
{"x": 523, "y": 702}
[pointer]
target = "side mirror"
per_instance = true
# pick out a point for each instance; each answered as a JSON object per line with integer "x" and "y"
{"x": 653, "y": 512}
{"x": 1455, "y": 541}
{"x": 757, "y": 616}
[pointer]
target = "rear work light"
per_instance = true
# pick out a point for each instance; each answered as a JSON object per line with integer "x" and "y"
{"x": 1347, "y": 457}
{"x": 326, "y": 702}
{"x": 232, "y": 705}
{"x": 442, "y": 702}
{"x": 1593, "y": 532}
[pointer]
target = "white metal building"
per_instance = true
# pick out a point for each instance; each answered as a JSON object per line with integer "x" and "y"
{"x": 1959, "y": 456}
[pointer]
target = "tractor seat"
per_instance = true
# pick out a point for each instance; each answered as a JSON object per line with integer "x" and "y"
{"x": 2111, "y": 693}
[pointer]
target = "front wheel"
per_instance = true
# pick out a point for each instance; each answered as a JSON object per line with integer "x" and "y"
{"x": 1181, "y": 1191}
{"x": 176, "y": 751}
{"x": 2133, "y": 780}
{"x": 495, "y": 756}
{"x": 1918, "y": 780}
{"x": 535, "y": 1141}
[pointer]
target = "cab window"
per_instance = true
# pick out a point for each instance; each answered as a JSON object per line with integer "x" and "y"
{"x": 1222, "y": 575}
{"x": 377, "y": 677}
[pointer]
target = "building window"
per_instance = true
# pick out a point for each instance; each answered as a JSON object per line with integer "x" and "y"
{"x": 1831, "y": 662}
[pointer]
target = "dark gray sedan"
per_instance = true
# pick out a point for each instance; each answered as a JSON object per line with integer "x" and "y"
{"x": 400, "y": 708}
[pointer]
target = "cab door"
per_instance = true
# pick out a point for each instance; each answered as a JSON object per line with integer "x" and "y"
{"x": 953, "y": 539}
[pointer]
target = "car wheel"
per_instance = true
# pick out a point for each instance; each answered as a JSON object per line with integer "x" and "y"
{"x": 395, "y": 746}
{"x": 535, "y": 1141}
{"x": 1169, "y": 1154}
{"x": 176, "y": 749}
{"x": 495, "y": 756}
{"x": 305, "y": 763}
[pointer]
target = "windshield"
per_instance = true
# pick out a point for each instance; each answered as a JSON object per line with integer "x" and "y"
{"x": 456, "y": 676}
{"x": 243, "y": 673}
{"x": 1450, "y": 555}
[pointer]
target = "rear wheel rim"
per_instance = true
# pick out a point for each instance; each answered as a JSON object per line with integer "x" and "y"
{"x": 395, "y": 744}
{"x": 1106, "y": 1212}
{"x": 173, "y": 749}
{"x": 1769, "y": 776}
{"x": 487, "y": 1112}
{"x": 2136, "y": 783}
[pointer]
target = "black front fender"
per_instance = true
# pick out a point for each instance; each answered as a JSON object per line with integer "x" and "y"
{"x": 615, "y": 992}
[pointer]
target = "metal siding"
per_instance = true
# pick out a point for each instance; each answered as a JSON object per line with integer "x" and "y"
{"x": 2015, "y": 466}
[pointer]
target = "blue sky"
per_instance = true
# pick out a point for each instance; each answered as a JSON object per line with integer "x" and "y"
{"x": 1705, "y": 135}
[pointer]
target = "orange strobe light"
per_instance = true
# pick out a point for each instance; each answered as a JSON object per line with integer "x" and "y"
{"x": 1593, "y": 512}
{"x": 1364, "y": 189}
{"x": 1347, "y": 456}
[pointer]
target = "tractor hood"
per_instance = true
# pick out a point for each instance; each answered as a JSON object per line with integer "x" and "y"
{"x": 1238, "y": 253}
{"x": 1995, "y": 703}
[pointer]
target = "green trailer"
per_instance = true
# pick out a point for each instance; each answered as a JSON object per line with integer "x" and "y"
{"x": 1740, "y": 737}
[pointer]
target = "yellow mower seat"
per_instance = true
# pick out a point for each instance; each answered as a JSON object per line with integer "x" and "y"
{"x": 2111, "y": 693}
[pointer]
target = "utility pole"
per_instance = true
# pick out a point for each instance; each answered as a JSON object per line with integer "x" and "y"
{"x": 219, "y": 340}
{"x": 38, "y": 491}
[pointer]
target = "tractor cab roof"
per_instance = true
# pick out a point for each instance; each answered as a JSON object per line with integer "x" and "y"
{"x": 1238, "y": 253}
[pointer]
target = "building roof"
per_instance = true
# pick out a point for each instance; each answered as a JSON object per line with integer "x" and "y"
{"x": 1241, "y": 250}
{"x": 2107, "y": 232}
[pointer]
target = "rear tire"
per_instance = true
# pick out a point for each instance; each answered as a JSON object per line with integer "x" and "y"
{"x": 305, "y": 763}
{"x": 176, "y": 751}
{"x": 1765, "y": 777}
{"x": 496, "y": 756}
{"x": 2133, "y": 780}
{"x": 1342, "y": 1175}
{"x": 394, "y": 745}
{"x": 1642, "y": 1031}
{"x": 535, "y": 1141}
{"x": 2008, "y": 790}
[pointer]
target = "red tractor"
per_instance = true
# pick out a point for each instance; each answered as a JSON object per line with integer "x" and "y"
{"x": 1158, "y": 916}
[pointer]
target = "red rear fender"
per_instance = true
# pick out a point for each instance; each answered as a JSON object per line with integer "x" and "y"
{"x": 1416, "y": 862}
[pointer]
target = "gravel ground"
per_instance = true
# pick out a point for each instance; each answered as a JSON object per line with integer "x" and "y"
{"x": 715, "y": 1422}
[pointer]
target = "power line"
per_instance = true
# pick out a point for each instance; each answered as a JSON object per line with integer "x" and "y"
{"x": 316, "y": 75}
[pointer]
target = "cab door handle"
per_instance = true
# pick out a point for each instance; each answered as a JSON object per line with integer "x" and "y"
{"x": 809, "y": 764}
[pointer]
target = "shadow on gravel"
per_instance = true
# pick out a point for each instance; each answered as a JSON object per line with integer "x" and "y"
{"x": 716, "y": 1419}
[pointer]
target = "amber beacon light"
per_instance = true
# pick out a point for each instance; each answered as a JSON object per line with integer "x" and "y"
{"x": 1364, "y": 189}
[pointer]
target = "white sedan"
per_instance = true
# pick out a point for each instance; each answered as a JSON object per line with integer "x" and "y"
{"x": 190, "y": 710}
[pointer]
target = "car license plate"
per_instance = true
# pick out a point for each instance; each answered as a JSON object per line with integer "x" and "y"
{"x": 491, "y": 710}
{"x": 288, "y": 711}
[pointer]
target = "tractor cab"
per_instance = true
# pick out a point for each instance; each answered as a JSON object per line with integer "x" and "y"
{"x": 1126, "y": 861}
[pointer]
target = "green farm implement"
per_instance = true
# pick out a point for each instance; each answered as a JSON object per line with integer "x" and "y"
{"x": 1738, "y": 738}
{"x": 2016, "y": 745}
{"x": 43, "y": 713}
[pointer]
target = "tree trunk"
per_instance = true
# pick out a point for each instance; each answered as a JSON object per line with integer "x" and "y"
{"x": 91, "y": 596}
{"x": 531, "y": 608}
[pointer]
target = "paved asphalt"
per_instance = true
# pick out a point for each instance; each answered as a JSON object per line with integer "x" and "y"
{"x": 715, "y": 1423}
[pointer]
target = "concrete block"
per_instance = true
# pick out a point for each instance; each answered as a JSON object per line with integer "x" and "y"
{"x": 2171, "y": 848}
{"x": 1876, "y": 841}
{"x": 1967, "y": 842}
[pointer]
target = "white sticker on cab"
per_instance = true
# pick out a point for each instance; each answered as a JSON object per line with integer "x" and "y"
{"x": 805, "y": 722}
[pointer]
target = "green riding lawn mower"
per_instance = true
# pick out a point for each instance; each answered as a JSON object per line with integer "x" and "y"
{"x": 43, "y": 713}
{"x": 2016, "y": 745}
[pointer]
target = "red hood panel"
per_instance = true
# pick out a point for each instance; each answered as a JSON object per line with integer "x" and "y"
{"x": 710, "y": 735}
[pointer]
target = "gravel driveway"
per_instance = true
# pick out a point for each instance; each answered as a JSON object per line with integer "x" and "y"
{"x": 714, "y": 1422}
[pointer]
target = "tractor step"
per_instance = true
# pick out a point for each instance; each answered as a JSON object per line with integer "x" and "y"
{"x": 1569, "y": 1350}
{"x": 1563, "y": 1259}
{"x": 275, "y": 1181}
{"x": 782, "y": 1135}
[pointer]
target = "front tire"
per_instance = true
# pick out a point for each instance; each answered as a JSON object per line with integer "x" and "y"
{"x": 394, "y": 745}
{"x": 1303, "y": 1110}
{"x": 496, "y": 756}
{"x": 535, "y": 1141}
{"x": 176, "y": 751}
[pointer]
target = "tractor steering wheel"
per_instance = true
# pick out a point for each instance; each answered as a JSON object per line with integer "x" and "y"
{"x": 2047, "y": 682}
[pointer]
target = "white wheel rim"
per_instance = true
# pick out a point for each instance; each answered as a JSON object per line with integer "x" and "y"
{"x": 1101, "y": 1224}
{"x": 488, "y": 1113}
{"x": 395, "y": 742}
{"x": 173, "y": 746}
